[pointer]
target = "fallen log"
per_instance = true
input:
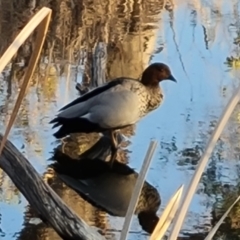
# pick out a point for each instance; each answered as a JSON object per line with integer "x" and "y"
{"x": 42, "y": 198}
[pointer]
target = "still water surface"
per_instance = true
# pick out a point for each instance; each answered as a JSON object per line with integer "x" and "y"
{"x": 196, "y": 38}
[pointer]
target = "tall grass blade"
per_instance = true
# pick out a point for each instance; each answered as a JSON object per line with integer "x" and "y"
{"x": 137, "y": 189}
{"x": 167, "y": 215}
{"x": 178, "y": 221}
{"x": 40, "y": 21}
{"x": 214, "y": 230}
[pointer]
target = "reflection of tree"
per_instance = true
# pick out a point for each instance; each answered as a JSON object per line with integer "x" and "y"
{"x": 227, "y": 149}
{"x": 230, "y": 229}
{"x": 210, "y": 17}
{"x": 219, "y": 195}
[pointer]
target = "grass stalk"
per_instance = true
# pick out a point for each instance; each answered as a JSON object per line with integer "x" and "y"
{"x": 137, "y": 189}
{"x": 40, "y": 21}
{"x": 214, "y": 230}
{"x": 167, "y": 215}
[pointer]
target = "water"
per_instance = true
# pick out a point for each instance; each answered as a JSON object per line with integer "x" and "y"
{"x": 196, "y": 38}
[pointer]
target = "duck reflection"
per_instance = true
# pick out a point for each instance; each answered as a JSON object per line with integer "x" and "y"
{"x": 108, "y": 188}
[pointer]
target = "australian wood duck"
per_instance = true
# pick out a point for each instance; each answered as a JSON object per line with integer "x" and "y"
{"x": 114, "y": 105}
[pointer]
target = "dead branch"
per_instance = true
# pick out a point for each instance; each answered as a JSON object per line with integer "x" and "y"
{"x": 42, "y": 198}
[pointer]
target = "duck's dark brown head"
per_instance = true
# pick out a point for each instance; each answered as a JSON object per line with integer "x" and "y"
{"x": 156, "y": 73}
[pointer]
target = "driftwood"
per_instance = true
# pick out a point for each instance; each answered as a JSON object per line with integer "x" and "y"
{"x": 42, "y": 198}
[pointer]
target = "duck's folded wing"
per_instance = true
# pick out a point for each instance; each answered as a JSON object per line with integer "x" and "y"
{"x": 116, "y": 109}
{"x": 93, "y": 93}
{"x": 111, "y": 109}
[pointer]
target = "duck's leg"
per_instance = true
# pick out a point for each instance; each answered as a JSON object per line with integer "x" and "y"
{"x": 114, "y": 147}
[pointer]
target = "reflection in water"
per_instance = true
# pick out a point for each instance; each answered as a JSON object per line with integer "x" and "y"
{"x": 106, "y": 187}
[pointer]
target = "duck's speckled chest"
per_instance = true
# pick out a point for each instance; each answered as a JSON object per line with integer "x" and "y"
{"x": 149, "y": 98}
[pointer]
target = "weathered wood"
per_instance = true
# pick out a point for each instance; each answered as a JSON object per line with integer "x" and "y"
{"x": 42, "y": 198}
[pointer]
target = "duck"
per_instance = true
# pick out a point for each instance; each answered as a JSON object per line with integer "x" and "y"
{"x": 114, "y": 105}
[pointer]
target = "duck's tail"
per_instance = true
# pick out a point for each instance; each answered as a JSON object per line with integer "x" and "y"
{"x": 74, "y": 125}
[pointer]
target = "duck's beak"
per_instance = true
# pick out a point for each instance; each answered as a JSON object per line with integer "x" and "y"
{"x": 172, "y": 78}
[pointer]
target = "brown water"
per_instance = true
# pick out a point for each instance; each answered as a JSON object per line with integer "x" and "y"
{"x": 195, "y": 40}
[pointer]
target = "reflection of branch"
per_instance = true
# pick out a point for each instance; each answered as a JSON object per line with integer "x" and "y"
{"x": 178, "y": 51}
{"x": 205, "y": 37}
{"x": 175, "y": 42}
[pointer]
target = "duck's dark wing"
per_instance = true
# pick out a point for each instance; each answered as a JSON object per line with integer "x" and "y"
{"x": 95, "y": 92}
